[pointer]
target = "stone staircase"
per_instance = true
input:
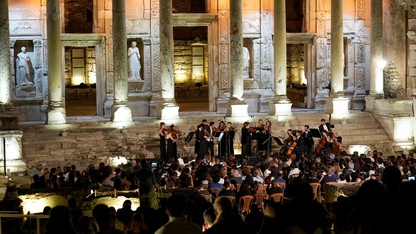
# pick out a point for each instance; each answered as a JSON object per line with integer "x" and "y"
{"x": 91, "y": 142}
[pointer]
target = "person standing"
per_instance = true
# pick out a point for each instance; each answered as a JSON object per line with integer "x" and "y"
{"x": 246, "y": 140}
{"x": 210, "y": 140}
{"x": 162, "y": 142}
{"x": 309, "y": 143}
{"x": 204, "y": 135}
{"x": 198, "y": 142}
{"x": 171, "y": 137}
{"x": 229, "y": 135}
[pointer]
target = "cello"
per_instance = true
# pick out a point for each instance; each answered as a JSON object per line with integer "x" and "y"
{"x": 292, "y": 147}
{"x": 321, "y": 144}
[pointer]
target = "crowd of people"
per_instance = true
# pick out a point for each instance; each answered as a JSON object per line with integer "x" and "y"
{"x": 208, "y": 193}
{"x": 381, "y": 191}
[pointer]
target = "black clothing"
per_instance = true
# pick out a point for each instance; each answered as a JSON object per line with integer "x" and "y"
{"x": 246, "y": 142}
{"x": 162, "y": 144}
{"x": 309, "y": 143}
{"x": 228, "y": 193}
{"x": 203, "y": 145}
{"x": 172, "y": 150}
{"x": 146, "y": 181}
{"x": 321, "y": 127}
{"x": 197, "y": 144}
{"x": 228, "y": 223}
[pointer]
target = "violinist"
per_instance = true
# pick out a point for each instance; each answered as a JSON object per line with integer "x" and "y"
{"x": 171, "y": 137}
{"x": 198, "y": 142}
{"x": 246, "y": 133}
{"x": 268, "y": 140}
{"x": 211, "y": 129}
{"x": 261, "y": 136}
{"x": 204, "y": 136}
{"x": 222, "y": 143}
{"x": 229, "y": 135}
{"x": 162, "y": 141}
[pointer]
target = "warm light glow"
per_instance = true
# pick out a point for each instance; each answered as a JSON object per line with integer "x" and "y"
{"x": 118, "y": 160}
{"x": 76, "y": 80}
{"x": 180, "y": 76}
{"x": 361, "y": 149}
{"x": 381, "y": 63}
{"x": 36, "y": 203}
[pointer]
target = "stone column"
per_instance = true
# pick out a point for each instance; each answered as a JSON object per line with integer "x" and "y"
{"x": 236, "y": 106}
{"x": 8, "y": 118}
{"x": 120, "y": 112}
{"x": 280, "y": 105}
{"x": 376, "y": 53}
{"x": 56, "y": 113}
{"x": 339, "y": 102}
{"x": 168, "y": 108}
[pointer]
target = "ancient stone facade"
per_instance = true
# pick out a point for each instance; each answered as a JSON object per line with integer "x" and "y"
{"x": 309, "y": 52}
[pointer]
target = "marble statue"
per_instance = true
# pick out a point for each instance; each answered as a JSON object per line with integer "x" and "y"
{"x": 246, "y": 62}
{"x": 134, "y": 61}
{"x": 23, "y": 64}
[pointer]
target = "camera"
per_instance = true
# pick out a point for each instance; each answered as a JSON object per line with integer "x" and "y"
{"x": 410, "y": 178}
{"x": 154, "y": 164}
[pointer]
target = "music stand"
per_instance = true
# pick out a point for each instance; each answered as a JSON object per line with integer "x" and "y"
{"x": 315, "y": 132}
{"x": 189, "y": 137}
{"x": 278, "y": 141}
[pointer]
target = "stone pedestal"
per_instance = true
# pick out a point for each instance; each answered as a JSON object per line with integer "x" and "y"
{"x": 13, "y": 143}
{"x": 168, "y": 111}
{"x": 280, "y": 107}
{"x": 121, "y": 113}
{"x": 237, "y": 108}
{"x": 25, "y": 91}
{"x": 339, "y": 106}
{"x": 135, "y": 86}
{"x": 56, "y": 115}
{"x": 369, "y": 103}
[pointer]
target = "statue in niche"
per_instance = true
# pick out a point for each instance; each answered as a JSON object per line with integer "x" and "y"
{"x": 134, "y": 62}
{"x": 24, "y": 66}
{"x": 246, "y": 62}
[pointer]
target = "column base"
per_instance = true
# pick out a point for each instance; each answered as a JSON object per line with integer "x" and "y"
{"x": 56, "y": 115}
{"x": 121, "y": 113}
{"x": 280, "y": 106}
{"x": 237, "y": 108}
{"x": 168, "y": 110}
{"x": 340, "y": 106}
{"x": 369, "y": 103}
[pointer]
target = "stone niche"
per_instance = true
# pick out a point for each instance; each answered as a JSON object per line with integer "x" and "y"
{"x": 24, "y": 69}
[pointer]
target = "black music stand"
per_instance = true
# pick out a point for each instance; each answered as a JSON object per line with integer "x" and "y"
{"x": 315, "y": 132}
{"x": 278, "y": 141}
{"x": 189, "y": 137}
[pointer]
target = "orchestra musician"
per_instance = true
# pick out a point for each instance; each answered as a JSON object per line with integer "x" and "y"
{"x": 268, "y": 133}
{"x": 198, "y": 142}
{"x": 325, "y": 126}
{"x": 162, "y": 142}
{"x": 260, "y": 136}
{"x": 204, "y": 136}
{"x": 172, "y": 137}
{"x": 324, "y": 145}
{"x": 229, "y": 135}
{"x": 211, "y": 129}
{"x": 300, "y": 144}
{"x": 307, "y": 135}
{"x": 222, "y": 144}
{"x": 246, "y": 133}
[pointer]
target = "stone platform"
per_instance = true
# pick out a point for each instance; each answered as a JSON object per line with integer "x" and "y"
{"x": 84, "y": 142}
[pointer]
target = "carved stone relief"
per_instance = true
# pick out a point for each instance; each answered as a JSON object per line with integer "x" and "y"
{"x": 156, "y": 64}
{"x": 147, "y": 64}
{"x": 359, "y": 53}
{"x": 360, "y": 9}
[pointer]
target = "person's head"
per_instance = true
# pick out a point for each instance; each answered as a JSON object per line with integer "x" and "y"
{"x": 209, "y": 218}
{"x": 102, "y": 216}
{"x": 39, "y": 167}
{"x": 144, "y": 164}
{"x": 59, "y": 218}
{"x": 323, "y": 121}
{"x": 137, "y": 223}
{"x": 298, "y": 133}
{"x": 391, "y": 178}
{"x": 161, "y": 125}
{"x": 303, "y": 192}
{"x": 246, "y": 124}
{"x": 306, "y": 127}
{"x": 175, "y": 206}
{"x": 211, "y": 124}
{"x": 268, "y": 123}
{"x": 133, "y": 44}
{"x": 204, "y": 122}
{"x": 222, "y": 204}
{"x": 23, "y": 49}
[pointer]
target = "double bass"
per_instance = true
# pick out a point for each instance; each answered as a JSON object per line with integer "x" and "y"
{"x": 292, "y": 147}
